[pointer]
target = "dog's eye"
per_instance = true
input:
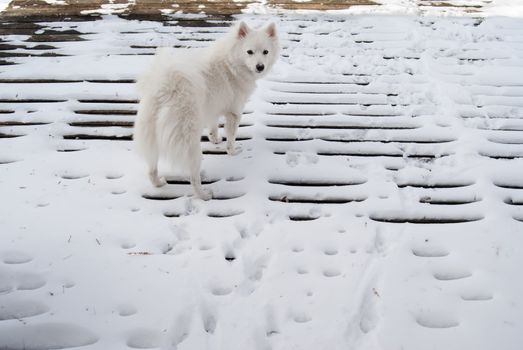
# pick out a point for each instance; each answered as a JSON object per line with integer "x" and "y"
{"x": 265, "y": 52}
{"x": 250, "y": 52}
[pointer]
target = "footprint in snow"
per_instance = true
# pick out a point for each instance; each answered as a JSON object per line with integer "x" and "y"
{"x": 143, "y": 338}
{"x": 206, "y": 246}
{"x": 476, "y": 296}
{"x": 73, "y": 176}
{"x": 45, "y": 336}
{"x": 271, "y": 322}
{"x": 69, "y": 284}
{"x": 16, "y": 257}
{"x": 18, "y": 309}
{"x": 29, "y": 281}
{"x": 221, "y": 291}
{"x": 127, "y": 244}
{"x": 301, "y": 317}
{"x": 452, "y": 275}
{"x": 209, "y": 318}
{"x": 125, "y": 310}
{"x": 118, "y": 191}
{"x": 430, "y": 251}
{"x": 297, "y": 249}
{"x": 332, "y": 272}
{"x": 180, "y": 329}
{"x": 436, "y": 320}
{"x": 302, "y": 270}
{"x": 230, "y": 256}
{"x": 113, "y": 176}
{"x": 292, "y": 159}
{"x": 368, "y": 317}
{"x": 330, "y": 251}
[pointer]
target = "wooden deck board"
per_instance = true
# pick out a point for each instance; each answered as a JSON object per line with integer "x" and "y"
{"x": 39, "y": 8}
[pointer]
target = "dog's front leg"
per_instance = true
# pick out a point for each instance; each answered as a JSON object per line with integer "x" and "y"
{"x": 214, "y": 135}
{"x": 232, "y": 121}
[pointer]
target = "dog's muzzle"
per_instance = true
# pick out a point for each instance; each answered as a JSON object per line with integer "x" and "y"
{"x": 260, "y": 67}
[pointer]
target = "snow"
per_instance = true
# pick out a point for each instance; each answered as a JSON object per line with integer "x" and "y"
{"x": 110, "y": 8}
{"x": 56, "y": 2}
{"x": 508, "y": 8}
{"x": 4, "y": 4}
{"x": 376, "y": 203}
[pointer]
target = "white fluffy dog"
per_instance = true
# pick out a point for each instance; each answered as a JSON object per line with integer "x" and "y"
{"x": 186, "y": 91}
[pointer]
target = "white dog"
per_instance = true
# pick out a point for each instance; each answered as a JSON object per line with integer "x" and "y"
{"x": 188, "y": 90}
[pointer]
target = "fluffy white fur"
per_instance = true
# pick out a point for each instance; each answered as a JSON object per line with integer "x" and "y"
{"x": 186, "y": 91}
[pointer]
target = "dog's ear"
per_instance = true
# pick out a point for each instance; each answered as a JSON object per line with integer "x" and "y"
{"x": 242, "y": 30}
{"x": 271, "y": 30}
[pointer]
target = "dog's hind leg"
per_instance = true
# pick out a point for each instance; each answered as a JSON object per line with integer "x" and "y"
{"x": 232, "y": 121}
{"x": 152, "y": 161}
{"x": 145, "y": 138}
{"x": 195, "y": 161}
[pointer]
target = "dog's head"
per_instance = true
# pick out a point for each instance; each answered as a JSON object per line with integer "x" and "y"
{"x": 257, "y": 49}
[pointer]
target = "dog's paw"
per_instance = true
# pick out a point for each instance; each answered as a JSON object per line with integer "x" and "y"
{"x": 158, "y": 181}
{"x": 234, "y": 150}
{"x": 215, "y": 138}
{"x": 204, "y": 194}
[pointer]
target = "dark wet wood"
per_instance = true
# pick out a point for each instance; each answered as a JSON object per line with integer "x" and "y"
{"x": 160, "y": 8}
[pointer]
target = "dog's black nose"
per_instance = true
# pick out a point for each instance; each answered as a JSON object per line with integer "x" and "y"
{"x": 260, "y": 67}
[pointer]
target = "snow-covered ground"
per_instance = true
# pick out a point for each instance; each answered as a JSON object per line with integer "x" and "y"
{"x": 377, "y": 203}
{"x": 3, "y": 4}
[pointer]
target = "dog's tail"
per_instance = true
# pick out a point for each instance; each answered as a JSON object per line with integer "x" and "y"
{"x": 144, "y": 132}
{"x": 168, "y": 119}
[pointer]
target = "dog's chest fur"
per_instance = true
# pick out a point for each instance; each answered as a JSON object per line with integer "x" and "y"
{"x": 227, "y": 88}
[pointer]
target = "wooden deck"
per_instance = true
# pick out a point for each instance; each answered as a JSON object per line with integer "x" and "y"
{"x": 34, "y": 9}
{"x": 22, "y": 8}
{"x": 386, "y": 148}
